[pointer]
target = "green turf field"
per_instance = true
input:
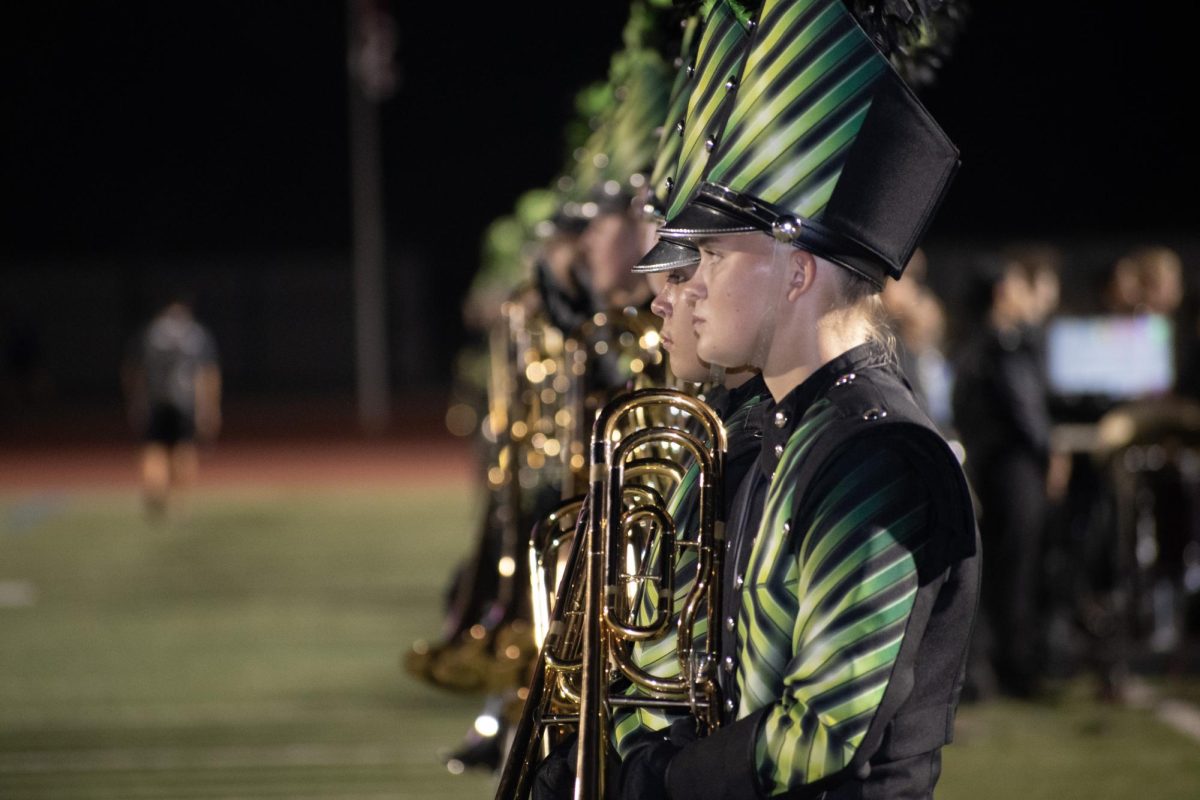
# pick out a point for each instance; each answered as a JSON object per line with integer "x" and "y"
{"x": 252, "y": 652}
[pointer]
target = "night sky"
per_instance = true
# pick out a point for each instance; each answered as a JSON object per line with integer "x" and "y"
{"x": 162, "y": 129}
{"x": 201, "y": 126}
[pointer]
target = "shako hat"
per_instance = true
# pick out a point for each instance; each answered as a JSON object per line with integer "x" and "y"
{"x": 615, "y": 162}
{"x": 824, "y": 146}
{"x": 707, "y": 75}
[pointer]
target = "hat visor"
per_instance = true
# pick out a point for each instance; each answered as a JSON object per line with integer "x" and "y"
{"x": 702, "y": 221}
{"x": 668, "y": 255}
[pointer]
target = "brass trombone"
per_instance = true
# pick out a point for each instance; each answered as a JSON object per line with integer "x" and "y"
{"x": 623, "y": 541}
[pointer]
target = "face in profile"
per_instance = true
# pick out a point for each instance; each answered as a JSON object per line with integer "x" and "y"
{"x": 612, "y": 244}
{"x": 560, "y": 253}
{"x": 736, "y": 282}
{"x": 678, "y": 335}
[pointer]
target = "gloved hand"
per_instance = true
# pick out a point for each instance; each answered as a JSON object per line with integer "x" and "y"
{"x": 555, "y": 776}
{"x": 644, "y": 771}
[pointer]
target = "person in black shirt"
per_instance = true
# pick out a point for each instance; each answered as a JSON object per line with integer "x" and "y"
{"x": 1000, "y": 410}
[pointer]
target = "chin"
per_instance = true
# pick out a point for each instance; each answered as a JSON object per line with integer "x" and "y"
{"x": 715, "y": 356}
{"x": 693, "y": 372}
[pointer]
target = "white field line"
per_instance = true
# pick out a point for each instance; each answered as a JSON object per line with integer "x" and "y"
{"x": 1183, "y": 717}
{"x": 1178, "y": 715}
{"x": 203, "y": 758}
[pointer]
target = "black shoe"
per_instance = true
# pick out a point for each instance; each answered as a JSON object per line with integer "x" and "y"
{"x": 475, "y": 752}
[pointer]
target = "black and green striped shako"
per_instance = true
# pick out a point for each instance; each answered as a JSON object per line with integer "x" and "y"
{"x": 614, "y": 164}
{"x": 708, "y": 81}
{"x": 824, "y": 147}
{"x": 666, "y": 158}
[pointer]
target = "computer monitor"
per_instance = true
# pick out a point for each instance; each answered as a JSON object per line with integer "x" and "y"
{"x": 1112, "y": 357}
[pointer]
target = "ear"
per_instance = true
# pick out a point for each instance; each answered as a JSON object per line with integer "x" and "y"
{"x": 802, "y": 269}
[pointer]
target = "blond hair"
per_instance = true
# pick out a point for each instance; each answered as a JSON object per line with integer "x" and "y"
{"x": 860, "y": 298}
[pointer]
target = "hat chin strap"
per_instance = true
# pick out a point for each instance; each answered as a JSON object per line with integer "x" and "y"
{"x": 765, "y": 338}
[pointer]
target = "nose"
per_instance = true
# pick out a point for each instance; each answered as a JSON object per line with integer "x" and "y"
{"x": 663, "y": 303}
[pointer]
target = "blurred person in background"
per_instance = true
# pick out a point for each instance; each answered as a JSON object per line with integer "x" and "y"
{"x": 1001, "y": 412}
{"x": 1127, "y": 513}
{"x": 1122, "y": 293}
{"x": 1160, "y": 279}
{"x": 1042, "y": 264}
{"x": 173, "y": 385}
{"x": 1164, "y": 493}
{"x": 919, "y": 321}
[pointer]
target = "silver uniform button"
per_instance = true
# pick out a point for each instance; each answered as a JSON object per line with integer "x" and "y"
{"x": 730, "y": 623}
{"x": 738, "y": 581}
{"x": 729, "y": 705}
{"x": 787, "y": 526}
{"x": 778, "y": 450}
{"x": 729, "y": 663}
{"x": 781, "y": 419}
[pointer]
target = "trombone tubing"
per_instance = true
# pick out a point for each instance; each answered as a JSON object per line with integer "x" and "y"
{"x": 593, "y": 722}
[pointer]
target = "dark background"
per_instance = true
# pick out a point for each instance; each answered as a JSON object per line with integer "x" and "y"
{"x": 148, "y": 144}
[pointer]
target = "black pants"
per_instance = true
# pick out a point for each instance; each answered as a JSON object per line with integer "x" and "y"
{"x": 1012, "y": 494}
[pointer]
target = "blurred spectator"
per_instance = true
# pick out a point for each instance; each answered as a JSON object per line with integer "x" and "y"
{"x": 173, "y": 384}
{"x": 1160, "y": 279}
{"x": 919, "y": 321}
{"x": 1000, "y": 409}
{"x": 1163, "y": 493}
{"x": 1150, "y": 280}
{"x": 1127, "y": 517}
{"x": 1123, "y": 293}
{"x": 1042, "y": 265}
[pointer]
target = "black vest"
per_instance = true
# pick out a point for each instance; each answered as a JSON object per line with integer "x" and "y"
{"x": 900, "y": 757}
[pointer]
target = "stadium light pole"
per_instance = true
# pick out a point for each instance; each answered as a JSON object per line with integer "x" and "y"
{"x": 370, "y": 45}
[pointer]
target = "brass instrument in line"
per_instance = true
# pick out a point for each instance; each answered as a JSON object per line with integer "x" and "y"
{"x": 543, "y": 388}
{"x": 624, "y": 541}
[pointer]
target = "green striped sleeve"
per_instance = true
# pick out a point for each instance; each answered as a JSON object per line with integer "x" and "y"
{"x": 854, "y": 579}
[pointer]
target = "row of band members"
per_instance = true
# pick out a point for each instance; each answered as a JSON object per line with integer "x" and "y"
{"x": 991, "y": 393}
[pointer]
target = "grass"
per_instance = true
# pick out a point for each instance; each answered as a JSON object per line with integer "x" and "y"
{"x": 252, "y": 652}
{"x": 1072, "y": 748}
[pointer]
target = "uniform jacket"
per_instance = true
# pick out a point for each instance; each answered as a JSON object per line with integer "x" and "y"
{"x": 852, "y": 583}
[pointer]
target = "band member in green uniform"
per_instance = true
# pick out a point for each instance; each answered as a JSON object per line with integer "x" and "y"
{"x": 852, "y": 565}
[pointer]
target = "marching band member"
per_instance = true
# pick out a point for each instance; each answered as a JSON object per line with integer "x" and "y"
{"x": 852, "y": 565}
{"x": 585, "y": 300}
